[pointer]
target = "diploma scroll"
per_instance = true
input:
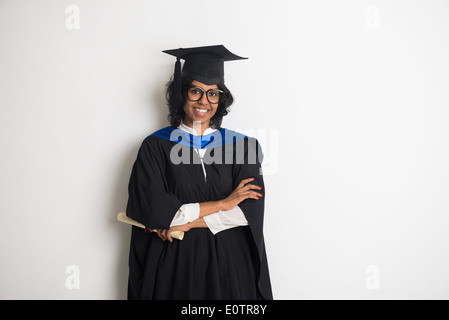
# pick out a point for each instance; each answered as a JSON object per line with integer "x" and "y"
{"x": 123, "y": 218}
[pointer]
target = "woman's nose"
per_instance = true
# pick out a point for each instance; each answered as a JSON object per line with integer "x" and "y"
{"x": 203, "y": 101}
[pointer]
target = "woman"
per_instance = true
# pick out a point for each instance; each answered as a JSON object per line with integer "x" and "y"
{"x": 202, "y": 179}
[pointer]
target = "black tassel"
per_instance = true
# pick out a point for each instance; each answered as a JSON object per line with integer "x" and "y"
{"x": 177, "y": 81}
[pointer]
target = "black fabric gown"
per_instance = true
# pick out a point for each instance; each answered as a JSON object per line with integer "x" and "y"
{"x": 229, "y": 265}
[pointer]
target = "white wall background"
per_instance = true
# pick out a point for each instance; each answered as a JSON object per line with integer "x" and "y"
{"x": 349, "y": 99}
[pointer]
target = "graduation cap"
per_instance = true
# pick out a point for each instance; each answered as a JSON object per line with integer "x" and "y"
{"x": 204, "y": 64}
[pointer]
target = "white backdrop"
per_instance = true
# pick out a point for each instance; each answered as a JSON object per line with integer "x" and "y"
{"x": 348, "y": 98}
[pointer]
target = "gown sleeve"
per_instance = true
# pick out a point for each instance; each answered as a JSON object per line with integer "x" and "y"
{"x": 149, "y": 200}
{"x": 252, "y": 208}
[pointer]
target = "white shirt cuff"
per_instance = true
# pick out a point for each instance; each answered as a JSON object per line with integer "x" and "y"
{"x": 187, "y": 213}
{"x": 223, "y": 220}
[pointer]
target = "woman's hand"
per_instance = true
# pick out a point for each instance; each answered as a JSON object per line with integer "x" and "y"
{"x": 243, "y": 191}
{"x": 164, "y": 234}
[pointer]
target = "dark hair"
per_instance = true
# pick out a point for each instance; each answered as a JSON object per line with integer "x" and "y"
{"x": 176, "y": 109}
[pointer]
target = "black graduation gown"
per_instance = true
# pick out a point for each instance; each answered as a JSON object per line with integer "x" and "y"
{"x": 229, "y": 265}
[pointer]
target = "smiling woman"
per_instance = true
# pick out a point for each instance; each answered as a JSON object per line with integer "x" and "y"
{"x": 215, "y": 200}
{"x": 201, "y": 107}
{"x": 176, "y": 107}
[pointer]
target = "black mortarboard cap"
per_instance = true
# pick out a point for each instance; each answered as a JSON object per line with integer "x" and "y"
{"x": 204, "y": 64}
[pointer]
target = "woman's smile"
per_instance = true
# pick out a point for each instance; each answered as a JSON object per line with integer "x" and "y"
{"x": 201, "y": 112}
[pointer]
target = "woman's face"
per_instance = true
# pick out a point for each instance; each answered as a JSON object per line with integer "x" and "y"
{"x": 201, "y": 110}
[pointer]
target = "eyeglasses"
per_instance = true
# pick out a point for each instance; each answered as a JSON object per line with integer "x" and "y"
{"x": 213, "y": 95}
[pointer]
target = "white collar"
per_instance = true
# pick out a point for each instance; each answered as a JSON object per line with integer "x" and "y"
{"x": 185, "y": 128}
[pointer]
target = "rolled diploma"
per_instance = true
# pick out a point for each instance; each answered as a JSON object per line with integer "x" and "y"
{"x": 123, "y": 218}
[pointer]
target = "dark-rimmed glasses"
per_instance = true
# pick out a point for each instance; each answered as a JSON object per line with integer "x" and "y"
{"x": 196, "y": 93}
